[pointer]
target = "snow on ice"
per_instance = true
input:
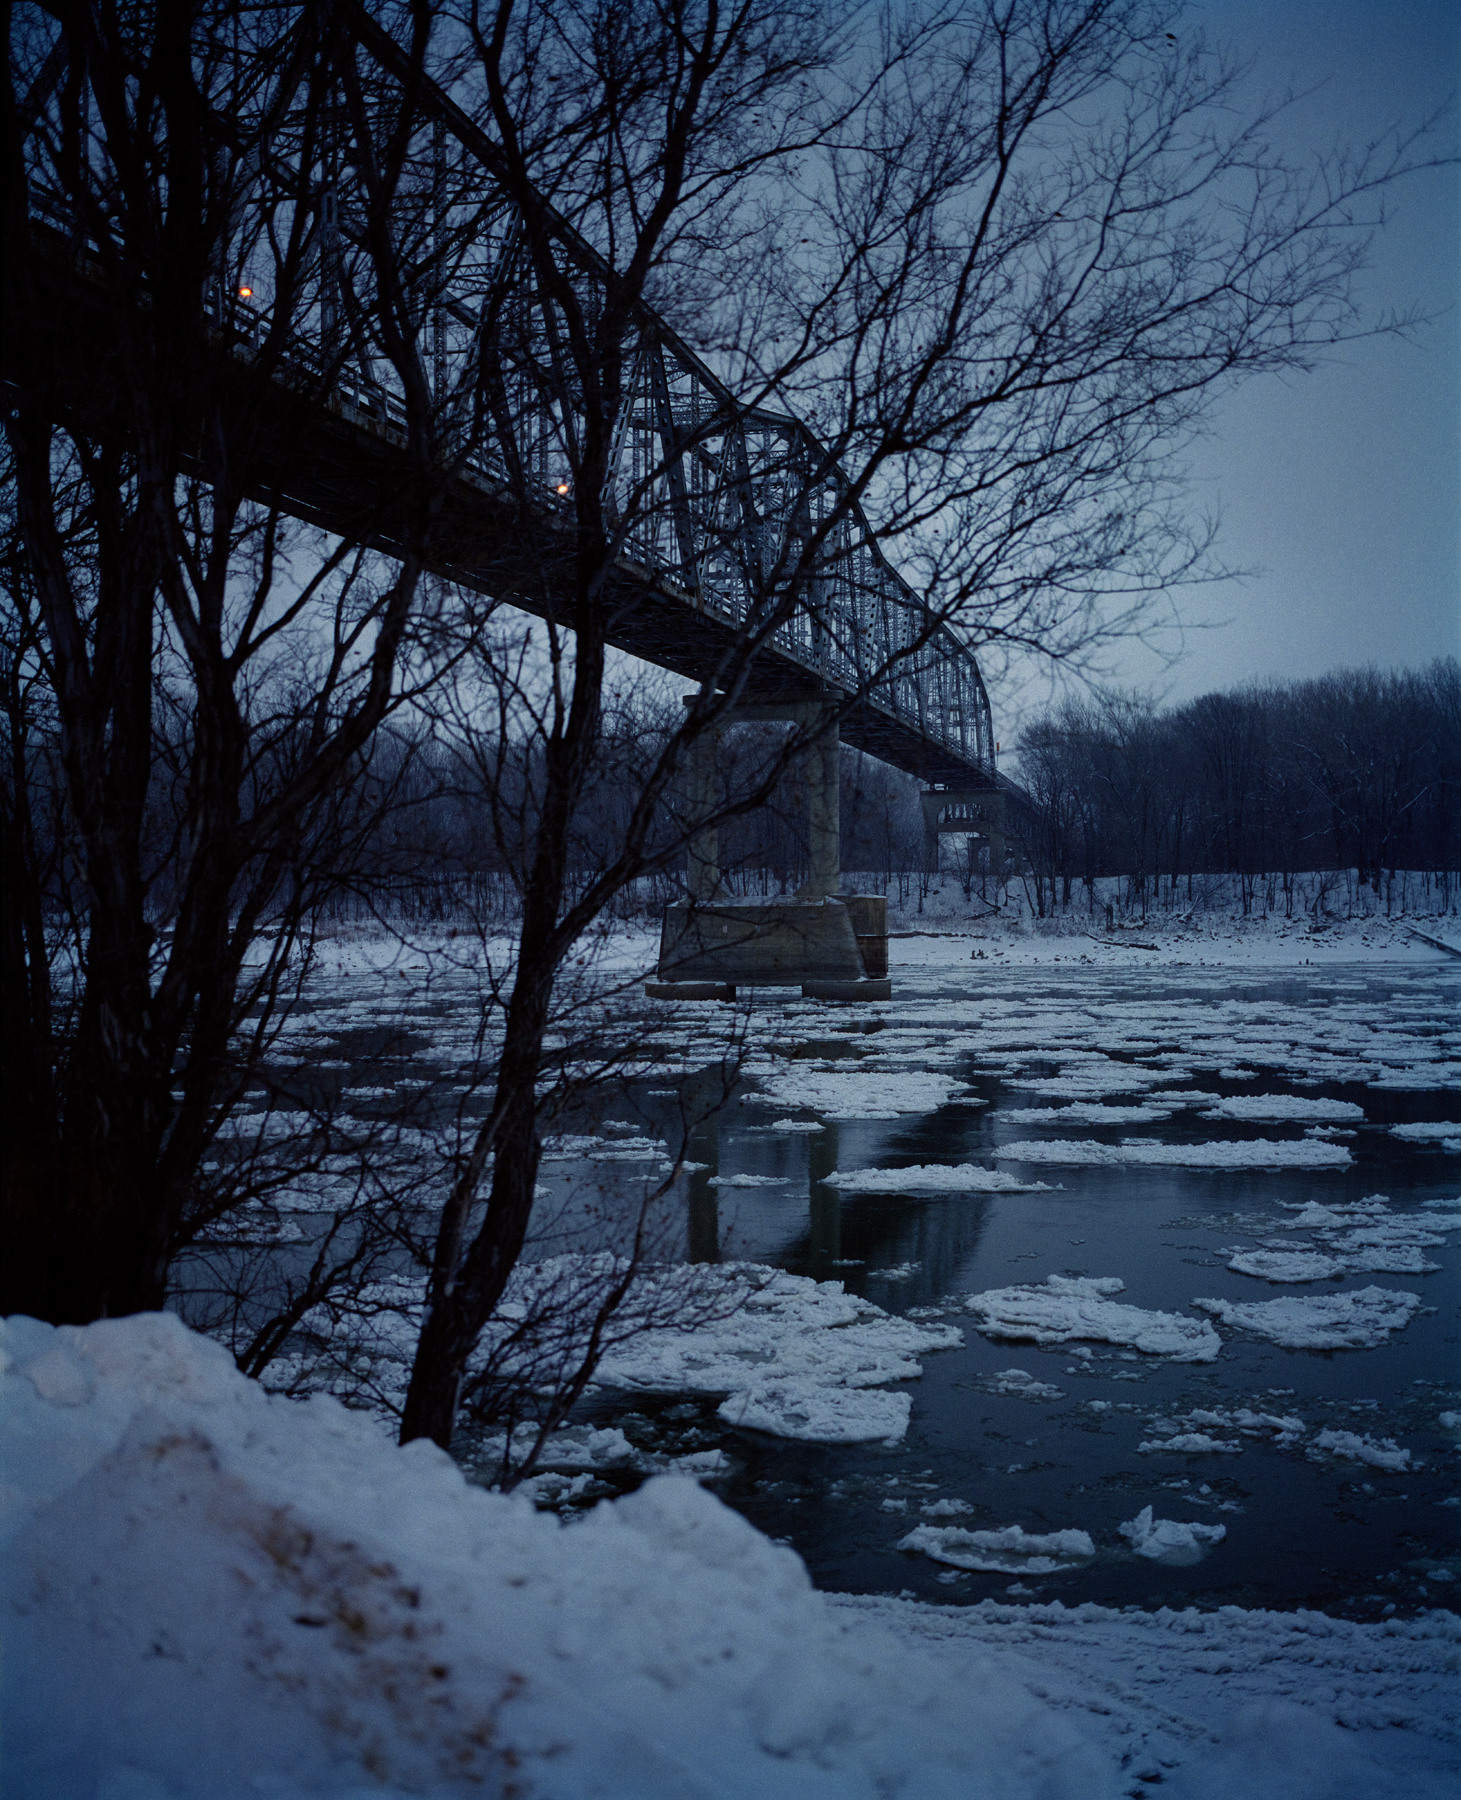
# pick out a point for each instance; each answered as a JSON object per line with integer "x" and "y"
{"x": 1379, "y": 1453}
{"x": 857, "y": 1094}
{"x": 1069, "y": 1307}
{"x": 1167, "y": 1541}
{"x": 1358, "y": 1320}
{"x": 1256, "y": 1153}
{"x": 800, "y": 1359}
{"x": 1010, "y": 1549}
{"x": 932, "y": 1178}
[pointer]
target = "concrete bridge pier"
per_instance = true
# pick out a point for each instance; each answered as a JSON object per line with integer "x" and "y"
{"x": 702, "y": 873}
{"x": 824, "y": 817}
{"x": 832, "y": 946}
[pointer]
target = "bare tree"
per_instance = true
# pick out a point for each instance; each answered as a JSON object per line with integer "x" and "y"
{"x": 195, "y": 678}
{"x": 1002, "y": 256}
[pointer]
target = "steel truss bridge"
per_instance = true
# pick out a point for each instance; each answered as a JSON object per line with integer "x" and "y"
{"x": 713, "y": 504}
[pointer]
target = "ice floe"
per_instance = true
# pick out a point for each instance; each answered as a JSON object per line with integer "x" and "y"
{"x": 1191, "y": 1433}
{"x": 1379, "y": 1453}
{"x": 1067, "y": 1308}
{"x": 800, "y": 1359}
{"x": 1256, "y": 1153}
{"x": 856, "y": 1094}
{"x": 1446, "y": 1132}
{"x": 1365, "y": 1237}
{"x": 1263, "y": 1107}
{"x": 1010, "y": 1549}
{"x": 1167, "y": 1541}
{"x": 1083, "y": 1112}
{"x": 1358, "y": 1320}
{"x": 932, "y": 1178}
{"x": 1287, "y": 1265}
{"x": 1022, "y": 1384}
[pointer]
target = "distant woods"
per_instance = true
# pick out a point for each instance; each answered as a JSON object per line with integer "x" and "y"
{"x": 1358, "y": 770}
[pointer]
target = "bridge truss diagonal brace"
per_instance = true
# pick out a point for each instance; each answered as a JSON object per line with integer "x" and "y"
{"x": 974, "y": 812}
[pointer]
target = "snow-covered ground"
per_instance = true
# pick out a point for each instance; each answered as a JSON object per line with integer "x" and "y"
{"x": 213, "y": 1593}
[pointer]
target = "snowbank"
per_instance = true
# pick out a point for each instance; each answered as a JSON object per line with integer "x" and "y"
{"x": 213, "y": 1593}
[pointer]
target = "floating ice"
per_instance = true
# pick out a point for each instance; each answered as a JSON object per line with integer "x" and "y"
{"x": 818, "y": 1413}
{"x": 1358, "y": 1320}
{"x": 945, "y": 1509}
{"x": 1446, "y": 1132}
{"x": 795, "y": 1360}
{"x": 1009, "y": 1550}
{"x": 1241, "y": 1107}
{"x": 1192, "y": 1432}
{"x": 1190, "y": 1443}
{"x": 1379, "y": 1453}
{"x": 1084, "y": 1112}
{"x": 748, "y": 1181}
{"x": 1022, "y": 1384}
{"x": 1066, "y": 1308}
{"x": 1257, "y": 1153}
{"x": 1167, "y": 1541}
{"x": 932, "y": 1178}
{"x": 856, "y": 1094}
{"x": 1287, "y": 1265}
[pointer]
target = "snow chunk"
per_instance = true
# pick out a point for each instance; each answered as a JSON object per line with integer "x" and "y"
{"x": 1380, "y": 1453}
{"x": 1009, "y": 1550}
{"x": 1258, "y": 1153}
{"x": 1065, "y": 1308}
{"x": 1358, "y": 1320}
{"x": 1166, "y": 1541}
{"x": 932, "y": 1178}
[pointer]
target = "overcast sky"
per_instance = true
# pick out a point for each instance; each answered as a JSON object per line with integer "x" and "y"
{"x": 1340, "y": 490}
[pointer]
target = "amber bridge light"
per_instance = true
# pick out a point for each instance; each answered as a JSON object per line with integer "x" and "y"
{"x": 562, "y": 487}
{"x": 245, "y": 293}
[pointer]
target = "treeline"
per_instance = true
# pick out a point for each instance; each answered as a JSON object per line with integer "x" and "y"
{"x": 1360, "y": 769}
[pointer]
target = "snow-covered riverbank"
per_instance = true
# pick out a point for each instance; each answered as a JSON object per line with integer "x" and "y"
{"x": 214, "y": 1593}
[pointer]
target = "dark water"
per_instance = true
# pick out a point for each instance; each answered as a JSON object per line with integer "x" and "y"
{"x": 1339, "y": 1535}
{"x": 1343, "y": 1536}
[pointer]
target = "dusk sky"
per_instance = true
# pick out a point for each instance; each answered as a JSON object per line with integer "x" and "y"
{"x": 1340, "y": 490}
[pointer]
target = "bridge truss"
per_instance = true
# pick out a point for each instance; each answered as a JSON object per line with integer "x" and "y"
{"x": 717, "y": 511}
